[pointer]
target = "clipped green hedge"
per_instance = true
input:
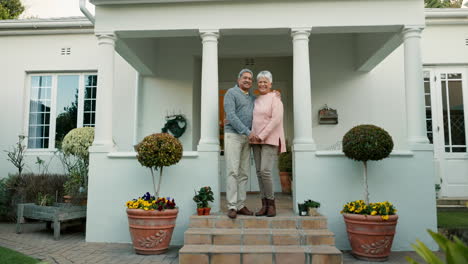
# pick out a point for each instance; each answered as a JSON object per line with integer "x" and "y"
{"x": 367, "y": 142}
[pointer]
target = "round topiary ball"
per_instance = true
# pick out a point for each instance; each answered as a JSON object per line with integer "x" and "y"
{"x": 159, "y": 150}
{"x": 367, "y": 142}
{"x": 77, "y": 142}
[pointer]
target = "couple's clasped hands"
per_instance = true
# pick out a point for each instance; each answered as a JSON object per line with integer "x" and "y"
{"x": 254, "y": 138}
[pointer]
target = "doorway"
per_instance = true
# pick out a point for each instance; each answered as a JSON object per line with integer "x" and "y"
{"x": 446, "y": 93}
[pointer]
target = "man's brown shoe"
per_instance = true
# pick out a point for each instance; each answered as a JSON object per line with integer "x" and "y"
{"x": 245, "y": 211}
{"x": 232, "y": 214}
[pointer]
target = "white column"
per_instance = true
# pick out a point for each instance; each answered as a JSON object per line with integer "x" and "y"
{"x": 209, "y": 134}
{"x": 103, "y": 141}
{"x": 414, "y": 87}
{"x": 302, "y": 97}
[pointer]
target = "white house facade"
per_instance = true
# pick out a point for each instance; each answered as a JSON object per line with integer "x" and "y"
{"x": 143, "y": 60}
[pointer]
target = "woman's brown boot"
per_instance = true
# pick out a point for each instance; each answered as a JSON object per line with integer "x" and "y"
{"x": 271, "y": 208}
{"x": 264, "y": 209}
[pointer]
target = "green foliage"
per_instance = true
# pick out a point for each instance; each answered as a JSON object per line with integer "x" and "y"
{"x": 78, "y": 141}
{"x": 205, "y": 195}
{"x": 16, "y": 154}
{"x": 159, "y": 150}
{"x": 311, "y": 204}
{"x": 10, "y": 9}
{"x": 367, "y": 142}
{"x": 285, "y": 161}
{"x": 74, "y": 154}
{"x": 44, "y": 199}
{"x": 455, "y": 251}
{"x": 13, "y": 257}
{"x": 443, "y": 3}
{"x": 26, "y": 189}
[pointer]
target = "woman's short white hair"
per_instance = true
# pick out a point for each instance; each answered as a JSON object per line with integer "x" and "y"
{"x": 265, "y": 74}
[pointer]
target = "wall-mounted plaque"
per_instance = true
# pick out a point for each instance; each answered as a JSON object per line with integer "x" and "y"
{"x": 328, "y": 116}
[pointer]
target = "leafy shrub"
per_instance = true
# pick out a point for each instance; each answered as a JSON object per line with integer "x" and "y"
{"x": 76, "y": 143}
{"x": 455, "y": 251}
{"x": 26, "y": 189}
{"x": 157, "y": 151}
{"x": 311, "y": 204}
{"x": 285, "y": 161}
{"x": 367, "y": 142}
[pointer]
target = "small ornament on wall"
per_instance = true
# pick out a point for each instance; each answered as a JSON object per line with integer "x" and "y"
{"x": 175, "y": 125}
{"x": 328, "y": 116}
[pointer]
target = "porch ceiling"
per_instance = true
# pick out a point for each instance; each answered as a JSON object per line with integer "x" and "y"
{"x": 141, "y": 48}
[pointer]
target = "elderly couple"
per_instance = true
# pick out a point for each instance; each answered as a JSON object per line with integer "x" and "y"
{"x": 256, "y": 122}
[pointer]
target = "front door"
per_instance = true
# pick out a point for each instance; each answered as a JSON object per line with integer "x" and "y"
{"x": 446, "y": 106}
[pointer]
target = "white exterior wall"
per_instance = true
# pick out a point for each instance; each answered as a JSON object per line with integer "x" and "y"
{"x": 444, "y": 44}
{"x": 22, "y": 55}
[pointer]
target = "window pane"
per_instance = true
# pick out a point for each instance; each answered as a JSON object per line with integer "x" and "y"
{"x": 445, "y": 112}
{"x": 39, "y": 109}
{"x": 67, "y": 106}
{"x": 90, "y": 100}
{"x": 457, "y": 117}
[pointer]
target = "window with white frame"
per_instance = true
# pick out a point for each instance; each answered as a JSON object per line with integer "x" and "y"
{"x": 57, "y": 104}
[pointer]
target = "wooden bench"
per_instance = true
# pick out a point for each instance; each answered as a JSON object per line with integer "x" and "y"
{"x": 59, "y": 212}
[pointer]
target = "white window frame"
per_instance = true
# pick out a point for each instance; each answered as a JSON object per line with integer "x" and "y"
{"x": 53, "y": 105}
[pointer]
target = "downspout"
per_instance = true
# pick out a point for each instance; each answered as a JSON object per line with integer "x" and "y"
{"x": 86, "y": 12}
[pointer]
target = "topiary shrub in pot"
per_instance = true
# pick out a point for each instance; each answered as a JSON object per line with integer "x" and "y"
{"x": 370, "y": 226}
{"x": 152, "y": 219}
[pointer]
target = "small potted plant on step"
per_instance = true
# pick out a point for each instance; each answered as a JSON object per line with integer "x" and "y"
{"x": 204, "y": 195}
{"x": 312, "y": 207}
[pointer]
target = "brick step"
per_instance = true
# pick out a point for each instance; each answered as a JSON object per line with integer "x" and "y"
{"x": 278, "y": 222}
{"x": 214, "y": 254}
{"x": 253, "y": 236}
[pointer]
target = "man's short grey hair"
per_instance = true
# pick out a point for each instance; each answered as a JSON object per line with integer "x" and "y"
{"x": 244, "y": 71}
{"x": 265, "y": 74}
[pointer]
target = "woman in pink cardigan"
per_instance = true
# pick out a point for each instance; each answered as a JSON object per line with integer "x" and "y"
{"x": 267, "y": 139}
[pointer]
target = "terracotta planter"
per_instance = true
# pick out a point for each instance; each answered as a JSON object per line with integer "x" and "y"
{"x": 200, "y": 211}
{"x": 206, "y": 211}
{"x": 285, "y": 179}
{"x": 151, "y": 231}
{"x": 370, "y": 237}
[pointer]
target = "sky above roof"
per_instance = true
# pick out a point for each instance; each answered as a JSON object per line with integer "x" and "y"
{"x": 52, "y": 8}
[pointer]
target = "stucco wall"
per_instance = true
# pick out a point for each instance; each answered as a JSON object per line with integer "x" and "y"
{"x": 444, "y": 44}
{"x": 22, "y": 55}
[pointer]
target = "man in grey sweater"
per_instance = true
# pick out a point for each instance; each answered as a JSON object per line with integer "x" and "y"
{"x": 238, "y": 105}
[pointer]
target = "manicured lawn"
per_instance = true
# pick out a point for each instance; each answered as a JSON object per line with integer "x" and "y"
{"x": 452, "y": 219}
{"x": 13, "y": 257}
